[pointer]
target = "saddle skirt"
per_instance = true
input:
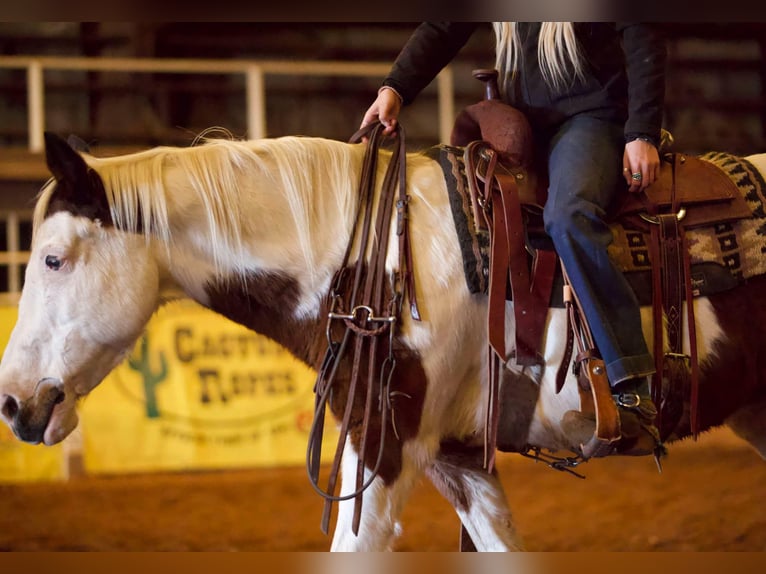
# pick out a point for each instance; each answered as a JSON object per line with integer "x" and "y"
{"x": 723, "y": 254}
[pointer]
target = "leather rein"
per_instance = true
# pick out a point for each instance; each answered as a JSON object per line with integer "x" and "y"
{"x": 356, "y": 326}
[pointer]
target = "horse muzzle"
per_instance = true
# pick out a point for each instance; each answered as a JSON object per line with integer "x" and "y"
{"x": 29, "y": 419}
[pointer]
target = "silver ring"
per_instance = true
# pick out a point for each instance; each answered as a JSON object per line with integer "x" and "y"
{"x": 637, "y": 176}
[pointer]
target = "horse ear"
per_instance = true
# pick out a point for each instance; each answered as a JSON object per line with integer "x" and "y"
{"x": 66, "y": 165}
{"x": 79, "y": 188}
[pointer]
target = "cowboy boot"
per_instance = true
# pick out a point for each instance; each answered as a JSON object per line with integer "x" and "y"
{"x": 639, "y": 435}
{"x": 637, "y": 415}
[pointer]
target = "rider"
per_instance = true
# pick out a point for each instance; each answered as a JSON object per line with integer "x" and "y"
{"x": 593, "y": 93}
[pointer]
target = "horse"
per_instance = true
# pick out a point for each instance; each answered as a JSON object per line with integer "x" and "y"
{"x": 256, "y": 231}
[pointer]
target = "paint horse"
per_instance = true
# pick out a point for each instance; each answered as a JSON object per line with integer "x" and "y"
{"x": 256, "y": 230}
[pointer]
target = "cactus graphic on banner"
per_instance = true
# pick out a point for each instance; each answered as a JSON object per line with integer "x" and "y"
{"x": 143, "y": 365}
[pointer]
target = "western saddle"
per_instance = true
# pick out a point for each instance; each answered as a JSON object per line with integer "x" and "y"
{"x": 507, "y": 197}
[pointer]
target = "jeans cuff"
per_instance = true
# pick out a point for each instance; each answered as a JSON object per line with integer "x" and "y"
{"x": 632, "y": 367}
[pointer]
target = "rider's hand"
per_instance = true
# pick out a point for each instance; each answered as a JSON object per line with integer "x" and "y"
{"x": 385, "y": 108}
{"x": 640, "y": 157}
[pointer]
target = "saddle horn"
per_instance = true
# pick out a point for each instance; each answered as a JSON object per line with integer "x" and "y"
{"x": 489, "y": 77}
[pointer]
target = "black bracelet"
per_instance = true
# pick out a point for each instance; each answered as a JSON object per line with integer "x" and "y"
{"x": 643, "y": 139}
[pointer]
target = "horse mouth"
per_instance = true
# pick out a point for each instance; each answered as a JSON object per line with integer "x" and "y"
{"x": 55, "y": 430}
{"x": 38, "y": 419}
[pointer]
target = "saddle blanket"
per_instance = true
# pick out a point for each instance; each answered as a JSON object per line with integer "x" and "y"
{"x": 722, "y": 255}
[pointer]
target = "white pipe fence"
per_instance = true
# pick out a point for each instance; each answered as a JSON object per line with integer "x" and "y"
{"x": 253, "y": 71}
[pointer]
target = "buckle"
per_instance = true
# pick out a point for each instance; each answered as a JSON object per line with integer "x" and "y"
{"x": 627, "y": 400}
{"x": 655, "y": 220}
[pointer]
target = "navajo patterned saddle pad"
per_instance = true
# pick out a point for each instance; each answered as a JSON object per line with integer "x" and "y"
{"x": 722, "y": 255}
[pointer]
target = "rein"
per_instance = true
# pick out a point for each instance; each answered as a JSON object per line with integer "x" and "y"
{"x": 363, "y": 320}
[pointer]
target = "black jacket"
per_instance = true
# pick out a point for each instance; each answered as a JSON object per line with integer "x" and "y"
{"x": 624, "y": 73}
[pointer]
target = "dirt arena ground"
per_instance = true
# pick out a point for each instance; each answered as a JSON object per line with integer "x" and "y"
{"x": 710, "y": 497}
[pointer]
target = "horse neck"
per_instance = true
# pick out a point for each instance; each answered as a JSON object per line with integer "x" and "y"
{"x": 292, "y": 228}
{"x": 279, "y": 206}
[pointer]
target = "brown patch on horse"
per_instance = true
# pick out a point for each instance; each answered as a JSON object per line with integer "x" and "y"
{"x": 734, "y": 374}
{"x": 265, "y": 301}
{"x": 449, "y": 471}
{"x": 96, "y": 209}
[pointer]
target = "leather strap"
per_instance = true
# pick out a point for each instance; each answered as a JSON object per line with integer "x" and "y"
{"x": 365, "y": 317}
{"x": 672, "y": 283}
{"x": 561, "y": 372}
{"x": 693, "y": 357}
{"x": 608, "y": 431}
{"x": 543, "y": 274}
{"x": 499, "y": 264}
{"x": 498, "y": 275}
{"x": 518, "y": 269}
{"x": 593, "y": 384}
{"x": 671, "y": 280}
{"x": 496, "y": 365}
{"x": 478, "y": 198}
{"x": 531, "y": 295}
{"x": 501, "y": 212}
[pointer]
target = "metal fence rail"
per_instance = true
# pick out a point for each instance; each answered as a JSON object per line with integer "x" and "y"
{"x": 16, "y": 255}
{"x": 254, "y": 72}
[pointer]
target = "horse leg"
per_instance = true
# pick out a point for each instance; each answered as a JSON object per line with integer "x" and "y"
{"x": 477, "y": 496}
{"x": 381, "y": 507}
{"x": 749, "y": 423}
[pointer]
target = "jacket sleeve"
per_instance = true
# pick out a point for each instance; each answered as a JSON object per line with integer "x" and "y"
{"x": 432, "y": 46}
{"x": 645, "y": 60}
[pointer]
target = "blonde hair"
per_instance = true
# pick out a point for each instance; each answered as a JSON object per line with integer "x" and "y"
{"x": 557, "y": 52}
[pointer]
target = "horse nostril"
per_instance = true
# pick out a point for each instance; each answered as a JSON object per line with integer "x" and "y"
{"x": 10, "y": 407}
{"x": 59, "y": 398}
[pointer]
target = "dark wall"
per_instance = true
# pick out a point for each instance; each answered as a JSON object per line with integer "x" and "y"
{"x": 716, "y": 97}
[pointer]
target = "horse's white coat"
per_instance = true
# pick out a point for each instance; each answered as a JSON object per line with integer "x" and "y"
{"x": 77, "y": 323}
{"x": 488, "y": 520}
{"x": 759, "y": 161}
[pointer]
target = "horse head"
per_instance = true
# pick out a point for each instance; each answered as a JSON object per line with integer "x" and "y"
{"x": 72, "y": 329}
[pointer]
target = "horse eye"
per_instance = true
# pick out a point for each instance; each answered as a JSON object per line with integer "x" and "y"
{"x": 52, "y": 262}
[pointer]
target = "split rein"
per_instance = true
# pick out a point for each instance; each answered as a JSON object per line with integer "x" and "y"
{"x": 359, "y": 319}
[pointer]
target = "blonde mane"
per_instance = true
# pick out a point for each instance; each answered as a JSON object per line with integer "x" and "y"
{"x": 219, "y": 173}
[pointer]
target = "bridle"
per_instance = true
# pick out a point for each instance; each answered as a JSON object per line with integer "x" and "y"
{"x": 359, "y": 324}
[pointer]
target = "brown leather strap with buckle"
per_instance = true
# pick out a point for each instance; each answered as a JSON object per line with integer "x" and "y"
{"x": 671, "y": 279}
{"x": 358, "y": 306}
{"x": 508, "y": 263}
{"x": 666, "y": 239}
{"x": 501, "y": 209}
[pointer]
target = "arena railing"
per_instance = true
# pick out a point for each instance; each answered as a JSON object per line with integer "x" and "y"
{"x": 254, "y": 72}
{"x": 15, "y": 256}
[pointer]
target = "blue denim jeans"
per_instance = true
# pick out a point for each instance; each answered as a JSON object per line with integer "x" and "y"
{"x": 585, "y": 169}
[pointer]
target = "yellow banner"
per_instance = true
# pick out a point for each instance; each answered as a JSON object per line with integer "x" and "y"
{"x": 200, "y": 391}
{"x": 20, "y": 462}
